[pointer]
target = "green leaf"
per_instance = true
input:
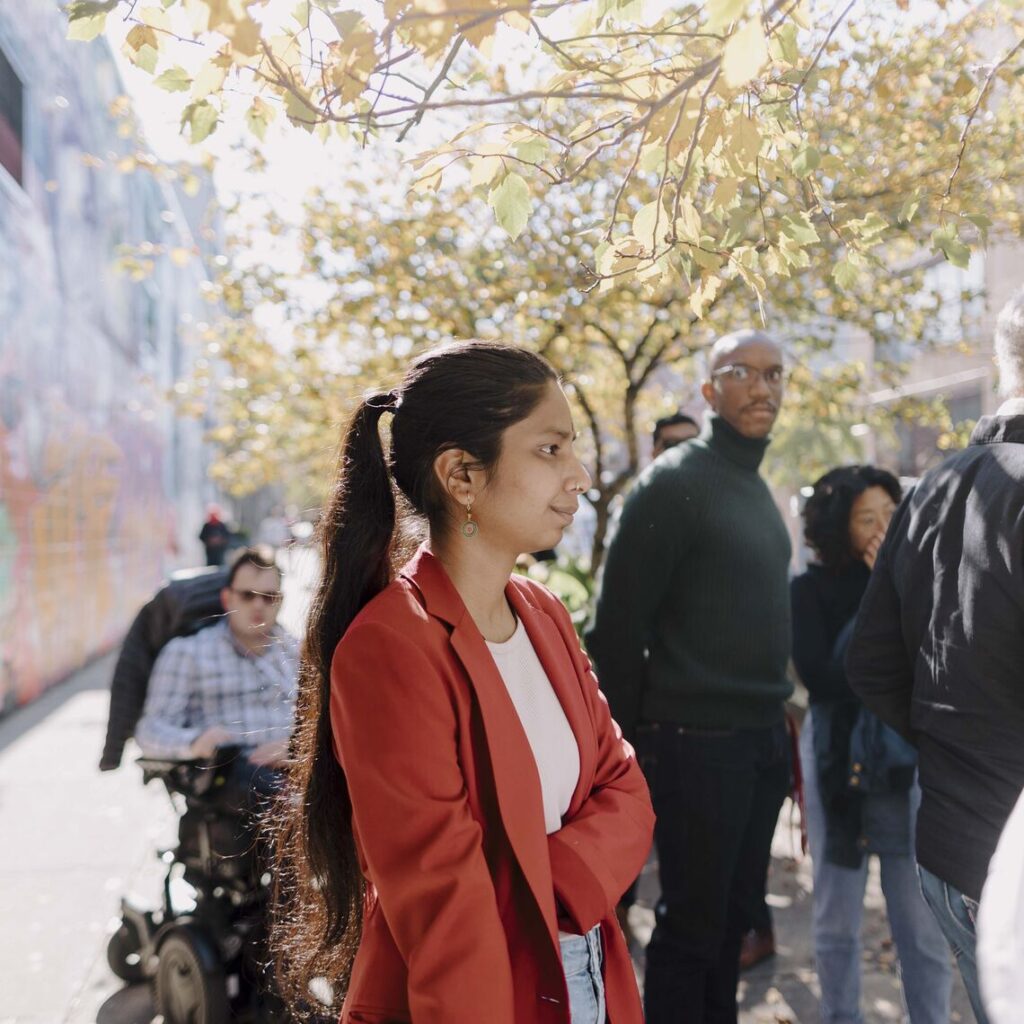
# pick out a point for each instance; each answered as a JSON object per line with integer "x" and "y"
{"x": 845, "y": 274}
{"x": 202, "y": 120}
{"x": 981, "y": 222}
{"x": 745, "y": 54}
{"x": 798, "y": 227}
{"x": 511, "y": 204}
{"x": 532, "y": 151}
{"x": 947, "y": 241}
{"x": 174, "y": 79}
{"x": 300, "y": 112}
{"x": 86, "y": 20}
{"x": 146, "y": 58}
{"x": 909, "y": 208}
{"x": 871, "y": 228}
{"x": 723, "y": 12}
{"x": 257, "y": 117}
{"x": 807, "y": 160}
{"x": 783, "y": 45}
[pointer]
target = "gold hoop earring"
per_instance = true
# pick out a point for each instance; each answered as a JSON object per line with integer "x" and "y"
{"x": 469, "y": 528}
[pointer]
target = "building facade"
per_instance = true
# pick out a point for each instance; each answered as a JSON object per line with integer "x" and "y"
{"x": 102, "y": 486}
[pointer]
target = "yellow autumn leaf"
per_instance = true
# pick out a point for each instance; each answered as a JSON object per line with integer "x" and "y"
{"x": 723, "y": 12}
{"x": 688, "y": 222}
{"x": 745, "y": 54}
{"x": 650, "y": 225}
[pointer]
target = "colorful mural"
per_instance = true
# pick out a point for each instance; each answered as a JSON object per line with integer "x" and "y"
{"x": 91, "y": 480}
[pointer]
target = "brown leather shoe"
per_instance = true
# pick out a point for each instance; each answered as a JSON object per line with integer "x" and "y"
{"x": 756, "y": 946}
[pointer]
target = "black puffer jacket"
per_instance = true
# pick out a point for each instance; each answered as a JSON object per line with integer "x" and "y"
{"x": 938, "y": 651}
{"x": 190, "y": 601}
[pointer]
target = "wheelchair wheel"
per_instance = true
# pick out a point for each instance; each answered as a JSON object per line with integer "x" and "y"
{"x": 123, "y": 951}
{"x": 190, "y": 983}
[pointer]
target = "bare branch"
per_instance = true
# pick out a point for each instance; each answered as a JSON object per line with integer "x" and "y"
{"x": 814, "y": 63}
{"x": 432, "y": 88}
{"x": 967, "y": 127}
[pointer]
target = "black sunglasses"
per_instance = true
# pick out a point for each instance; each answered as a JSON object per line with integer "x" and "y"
{"x": 248, "y": 596}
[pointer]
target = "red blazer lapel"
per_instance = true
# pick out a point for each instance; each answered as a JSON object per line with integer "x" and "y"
{"x": 521, "y": 808}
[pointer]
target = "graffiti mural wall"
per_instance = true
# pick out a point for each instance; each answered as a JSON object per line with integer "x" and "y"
{"x": 93, "y": 482}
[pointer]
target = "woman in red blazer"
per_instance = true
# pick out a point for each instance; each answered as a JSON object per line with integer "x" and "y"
{"x": 467, "y": 813}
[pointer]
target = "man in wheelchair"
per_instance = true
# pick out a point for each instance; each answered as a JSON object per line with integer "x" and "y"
{"x": 231, "y": 684}
{"x": 215, "y": 725}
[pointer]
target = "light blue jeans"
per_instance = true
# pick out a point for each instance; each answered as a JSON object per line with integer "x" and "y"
{"x": 582, "y": 959}
{"x": 924, "y": 961}
{"x": 956, "y": 914}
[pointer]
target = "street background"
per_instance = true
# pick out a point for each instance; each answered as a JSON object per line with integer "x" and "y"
{"x": 76, "y": 840}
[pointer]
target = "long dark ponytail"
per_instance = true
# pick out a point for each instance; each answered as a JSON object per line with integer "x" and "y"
{"x": 463, "y": 395}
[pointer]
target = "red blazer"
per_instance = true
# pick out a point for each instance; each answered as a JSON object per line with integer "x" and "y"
{"x": 461, "y": 922}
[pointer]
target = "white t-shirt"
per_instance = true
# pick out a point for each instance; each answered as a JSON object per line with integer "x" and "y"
{"x": 547, "y": 729}
{"x": 1001, "y": 925}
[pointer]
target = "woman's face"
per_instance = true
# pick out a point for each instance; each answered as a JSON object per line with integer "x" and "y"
{"x": 869, "y": 518}
{"x": 534, "y": 489}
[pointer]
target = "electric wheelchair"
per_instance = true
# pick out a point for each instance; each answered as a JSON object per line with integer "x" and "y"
{"x": 204, "y": 948}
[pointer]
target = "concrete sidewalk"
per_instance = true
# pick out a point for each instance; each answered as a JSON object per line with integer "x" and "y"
{"x": 76, "y": 839}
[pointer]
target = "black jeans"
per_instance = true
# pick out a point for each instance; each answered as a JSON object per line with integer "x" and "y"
{"x": 717, "y": 795}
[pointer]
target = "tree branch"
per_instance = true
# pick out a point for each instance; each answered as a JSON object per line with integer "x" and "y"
{"x": 970, "y": 119}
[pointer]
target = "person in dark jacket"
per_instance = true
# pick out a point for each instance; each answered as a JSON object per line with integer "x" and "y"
{"x": 187, "y": 603}
{"x": 691, "y": 638}
{"x": 859, "y": 789}
{"x": 938, "y": 650}
{"x": 215, "y": 536}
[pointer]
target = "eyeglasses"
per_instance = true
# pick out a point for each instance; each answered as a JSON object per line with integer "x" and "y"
{"x": 248, "y": 596}
{"x": 741, "y": 373}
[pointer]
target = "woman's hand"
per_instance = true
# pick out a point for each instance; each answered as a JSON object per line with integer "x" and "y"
{"x": 870, "y": 553}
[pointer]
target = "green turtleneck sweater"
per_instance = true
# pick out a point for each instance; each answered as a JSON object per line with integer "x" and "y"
{"x": 692, "y": 622}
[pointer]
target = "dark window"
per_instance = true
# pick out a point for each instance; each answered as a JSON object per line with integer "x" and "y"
{"x": 11, "y": 119}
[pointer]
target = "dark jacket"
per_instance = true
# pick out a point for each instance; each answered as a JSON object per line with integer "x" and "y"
{"x": 190, "y": 601}
{"x": 863, "y": 772}
{"x": 938, "y": 651}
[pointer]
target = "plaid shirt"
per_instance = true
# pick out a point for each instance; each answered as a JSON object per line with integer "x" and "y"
{"x": 209, "y": 680}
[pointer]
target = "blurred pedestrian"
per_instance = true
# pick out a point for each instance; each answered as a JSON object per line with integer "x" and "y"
{"x": 466, "y": 812}
{"x": 691, "y": 639}
{"x": 860, "y": 794}
{"x": 939, "y": 645}
{"x": 672, "y": 430}
{"x": 215, "y": 536}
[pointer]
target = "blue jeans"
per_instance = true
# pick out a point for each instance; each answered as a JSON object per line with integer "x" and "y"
{"x": 582, "y": 958}
{"x": 925, "y": 969}
{"x": 957, "y": 914}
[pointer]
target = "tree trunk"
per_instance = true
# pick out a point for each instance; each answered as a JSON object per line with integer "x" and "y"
{"x": 601, "y": 522}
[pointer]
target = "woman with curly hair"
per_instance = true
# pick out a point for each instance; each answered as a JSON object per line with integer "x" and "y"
{"x": 860, "y": 782}
{"x": 465, "y": 812}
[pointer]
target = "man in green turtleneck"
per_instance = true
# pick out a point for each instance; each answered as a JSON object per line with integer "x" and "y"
{"x": 691, "y": 640}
